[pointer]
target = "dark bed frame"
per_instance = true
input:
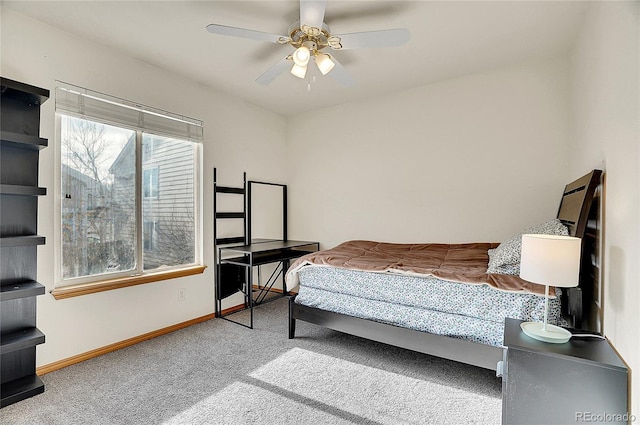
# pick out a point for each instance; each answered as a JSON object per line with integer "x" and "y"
{"x": 577, "y": 211}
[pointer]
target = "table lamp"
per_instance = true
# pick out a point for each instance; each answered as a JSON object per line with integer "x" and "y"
{"x": 549, "y": 260}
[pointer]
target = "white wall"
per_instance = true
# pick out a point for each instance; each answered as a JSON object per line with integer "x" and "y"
{"x": 606, "y": 92}
{"x": 478, "y": 157}
{"x": 465, "y": 160}
{"x": 470, "y": 159}
{"x": 39, "y": 54}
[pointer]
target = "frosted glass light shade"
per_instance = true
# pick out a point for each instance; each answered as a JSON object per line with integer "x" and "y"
{"x": 301, "y": 56}
{"x": 324, "y": 62}
{"x": 550, "y": 260}
{"x": 299, "y": 71}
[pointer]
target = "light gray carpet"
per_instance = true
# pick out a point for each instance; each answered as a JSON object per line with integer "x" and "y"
{"x": 221, "y": 373}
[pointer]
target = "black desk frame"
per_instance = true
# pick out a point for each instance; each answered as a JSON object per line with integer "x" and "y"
{"x": 241, "y": 253}
{"x": 260, "y": 252}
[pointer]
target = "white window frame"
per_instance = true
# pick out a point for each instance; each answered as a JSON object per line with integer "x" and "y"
{"x": 88, "y": 284}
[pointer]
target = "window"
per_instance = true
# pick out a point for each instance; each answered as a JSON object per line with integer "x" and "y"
{"x": 150, "y": 183}
{"x": 129, "y": 197}
{"x": 149, "y": 235}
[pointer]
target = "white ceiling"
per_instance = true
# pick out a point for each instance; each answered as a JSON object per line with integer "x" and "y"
{"x": 448, "y": 39}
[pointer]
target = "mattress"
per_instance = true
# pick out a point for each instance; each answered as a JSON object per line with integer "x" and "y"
{"x": 471, "y": 312}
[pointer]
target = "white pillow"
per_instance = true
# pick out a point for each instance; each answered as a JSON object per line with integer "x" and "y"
{"x": 505, "y": 259}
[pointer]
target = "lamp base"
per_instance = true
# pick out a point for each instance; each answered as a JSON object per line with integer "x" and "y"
{"x": 553, "y": 334}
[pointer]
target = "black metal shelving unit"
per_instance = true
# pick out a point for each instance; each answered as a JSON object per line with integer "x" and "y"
{"x": 235, "y": 279}
{"x": 19, "y": 146}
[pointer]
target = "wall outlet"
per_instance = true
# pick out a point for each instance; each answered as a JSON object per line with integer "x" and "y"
{"x": 182, "y": 294}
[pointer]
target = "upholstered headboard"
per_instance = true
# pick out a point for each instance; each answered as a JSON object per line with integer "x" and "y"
{"x": 580, "y": 211}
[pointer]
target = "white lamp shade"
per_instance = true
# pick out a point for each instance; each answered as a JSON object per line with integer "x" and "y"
{"x": 301, "y": 56}
{"x": 299, "y": 71}
{"x": 324, "y": 62}
{"x": 550, "y": 260}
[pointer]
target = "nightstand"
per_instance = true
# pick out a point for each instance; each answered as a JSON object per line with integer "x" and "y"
{"x": 582, "y": 380}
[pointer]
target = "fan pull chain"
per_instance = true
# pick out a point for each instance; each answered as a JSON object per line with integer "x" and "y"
{"x": 312, "y": 80}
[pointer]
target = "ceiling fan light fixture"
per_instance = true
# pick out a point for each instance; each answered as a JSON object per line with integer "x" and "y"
{"x": 299, "y": 70}
{"x": 301, "y": 56}
{"x": 308, "y": 36}
{"x": 334, "y": 42}
{"x": 324, "y": 62}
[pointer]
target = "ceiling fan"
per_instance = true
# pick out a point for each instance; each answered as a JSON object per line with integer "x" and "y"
{"x": 309, "y": 37}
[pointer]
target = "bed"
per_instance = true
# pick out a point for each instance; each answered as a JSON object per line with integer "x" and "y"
{"x": 447, "y": 300}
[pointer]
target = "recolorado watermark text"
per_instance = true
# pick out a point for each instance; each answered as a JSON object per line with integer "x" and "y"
{"x": 604, "y": 417}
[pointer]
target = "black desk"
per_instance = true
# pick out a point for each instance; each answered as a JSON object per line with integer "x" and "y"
{"x": 235, "y": 269}
{"x": 580, "y": 381}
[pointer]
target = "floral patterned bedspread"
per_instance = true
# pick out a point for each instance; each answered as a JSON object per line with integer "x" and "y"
{"x": 464, "y": 263}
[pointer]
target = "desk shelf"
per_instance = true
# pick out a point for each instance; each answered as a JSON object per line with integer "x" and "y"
{"x": 261, "y": 258}
{"x": 236, "y": 263}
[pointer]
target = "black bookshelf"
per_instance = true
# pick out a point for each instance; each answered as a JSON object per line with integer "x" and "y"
{"x": 20, "y": 144}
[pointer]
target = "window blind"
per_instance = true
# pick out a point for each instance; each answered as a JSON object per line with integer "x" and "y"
{"x": 91, "y": 105}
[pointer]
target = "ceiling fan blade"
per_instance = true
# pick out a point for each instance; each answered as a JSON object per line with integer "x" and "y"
{"x": 340, "y": 74}
{"x": 353, "y": 10}
{"x": 312, "y": 13}
{"x": 270, "y": 74}
{"x": 244, "y": 33}
{"x": 381, "y": 38}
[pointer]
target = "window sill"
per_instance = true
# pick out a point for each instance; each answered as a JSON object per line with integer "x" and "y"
{"x": 123, "y": 282}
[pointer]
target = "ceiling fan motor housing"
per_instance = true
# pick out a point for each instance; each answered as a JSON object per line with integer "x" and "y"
{"x": 301, "y": 35}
